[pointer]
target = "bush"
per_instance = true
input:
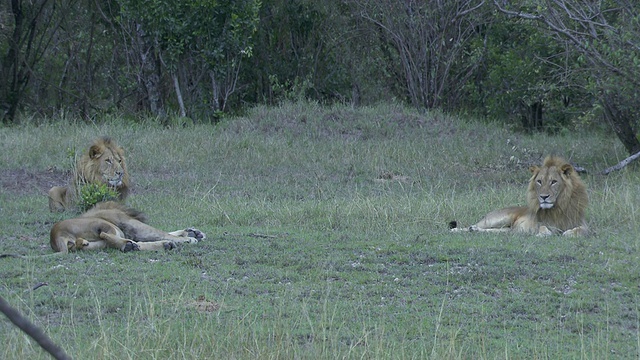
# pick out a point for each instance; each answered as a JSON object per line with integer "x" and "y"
{"x": 91, "y": 194}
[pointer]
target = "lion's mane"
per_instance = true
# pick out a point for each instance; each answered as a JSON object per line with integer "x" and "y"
{"x": 556, "y": 204}
{"x": 103, "y": 163}
{"x": 571, "y": 201}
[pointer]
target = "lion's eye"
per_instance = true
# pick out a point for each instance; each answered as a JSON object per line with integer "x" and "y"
{"x": 553, "y": 182}
{"x": 539, "y": 182}
{"x": 108, "y": 161}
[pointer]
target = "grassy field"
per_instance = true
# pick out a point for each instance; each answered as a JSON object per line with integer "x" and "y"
{"x": 327, "y": 238}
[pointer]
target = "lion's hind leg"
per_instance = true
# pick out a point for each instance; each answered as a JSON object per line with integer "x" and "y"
{"x": 58, "y": 198}
{"x": 501, "y": 220}
{"x": 91, "y": 245}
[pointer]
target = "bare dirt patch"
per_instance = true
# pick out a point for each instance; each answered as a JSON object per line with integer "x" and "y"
{"x": 23, "y": 182}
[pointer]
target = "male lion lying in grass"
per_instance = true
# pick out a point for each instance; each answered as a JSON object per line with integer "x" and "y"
{"x": 110, "y": 224}
{"x": 104, "y": 163}
{"x": 556, "y": 198}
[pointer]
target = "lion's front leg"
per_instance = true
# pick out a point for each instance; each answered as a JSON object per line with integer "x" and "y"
{"x": 143, "y": 233}
{"x": 191, "y": 235}
{"x": 126, "y": 245}
{"x": 576, "y": 231}
{"x": 152, "y": 245}
{"x": 544, "y": 231}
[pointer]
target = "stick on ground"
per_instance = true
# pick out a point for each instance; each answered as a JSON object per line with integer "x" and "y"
{"x": 621, "y": 164}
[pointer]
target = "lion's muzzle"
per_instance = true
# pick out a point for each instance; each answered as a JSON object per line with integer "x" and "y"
{"x": 115, "y": 181}
{"x": 545, "y": 201}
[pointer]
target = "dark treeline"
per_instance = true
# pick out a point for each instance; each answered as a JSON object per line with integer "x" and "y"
{"x": 543, "y": 65}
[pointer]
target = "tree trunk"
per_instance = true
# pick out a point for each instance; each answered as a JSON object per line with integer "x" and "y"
{"x": 532, "y": 116}
{"x": 620, "y": 121}
{"x": 176, "y": 85}
{"x": 12, "y": 77}
{"x": 150, "y": 72}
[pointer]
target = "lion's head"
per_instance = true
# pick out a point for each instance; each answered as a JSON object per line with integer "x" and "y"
{"x": 557, "y": 195}
{"x": 104, "y": 164}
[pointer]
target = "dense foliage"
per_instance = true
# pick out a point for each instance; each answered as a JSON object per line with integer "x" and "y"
{"x": 91, "y": 194}
{"x": 546, "y": 65}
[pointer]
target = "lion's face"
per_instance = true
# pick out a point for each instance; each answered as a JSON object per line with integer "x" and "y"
{"x": 110, "y": 164}
{"x": 104, "y": 164}
{"x": 548, "y": 184}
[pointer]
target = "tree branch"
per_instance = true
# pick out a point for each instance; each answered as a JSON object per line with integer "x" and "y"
{"x": 35, "y": 332}
{"x": 621, "y": 164}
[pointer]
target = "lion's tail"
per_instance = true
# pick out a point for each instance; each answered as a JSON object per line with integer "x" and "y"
{"x": 12, "y": 256}
{"x": 30, "y": 257}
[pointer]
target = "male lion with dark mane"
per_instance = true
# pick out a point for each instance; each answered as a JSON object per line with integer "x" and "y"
{"x": 104, "y": 163}
{"x": 110, "y": 224}
{"x": 557, "y": 199}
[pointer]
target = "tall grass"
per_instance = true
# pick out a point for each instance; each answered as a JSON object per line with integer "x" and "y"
{"x": 327, "y": 238}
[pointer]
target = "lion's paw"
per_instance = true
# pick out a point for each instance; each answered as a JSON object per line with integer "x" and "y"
{"x": 544, "y": 231}
{"x": 195, "y": 234}
{"x": 169, "y": 245}
{"x": 80, "y": 243}
{"x": 580, "y": 230}
{"x": 131, "y": 246}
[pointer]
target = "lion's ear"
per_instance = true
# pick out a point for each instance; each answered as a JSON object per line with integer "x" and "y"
{"x": 95, "y": 152}
{"x": 534, "y": 169}
{"x": 566, "y": 169}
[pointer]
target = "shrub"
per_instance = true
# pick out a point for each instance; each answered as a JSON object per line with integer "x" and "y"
{"x": 91, "y": 194}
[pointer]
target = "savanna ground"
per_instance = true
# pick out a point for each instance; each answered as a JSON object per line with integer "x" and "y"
{"x": 327, "y": 238}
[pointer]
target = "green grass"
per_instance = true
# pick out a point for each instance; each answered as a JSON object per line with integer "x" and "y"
{"x": 310, "y": 255}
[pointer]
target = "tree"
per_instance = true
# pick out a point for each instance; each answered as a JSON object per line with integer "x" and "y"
{"x": 33, "y": 26}
{"x": 427, "y": 39}
{"x": 300, "y": 52}
{"x": 520, "y": 74}
{"x": 200, "y": 43}
{"x": 605, "y": 36}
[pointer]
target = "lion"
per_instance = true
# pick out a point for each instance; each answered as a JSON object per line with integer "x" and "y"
{"x": 557, "y": 200}
{"x": 104, "y": 163}
{"x": 111, "y": 224}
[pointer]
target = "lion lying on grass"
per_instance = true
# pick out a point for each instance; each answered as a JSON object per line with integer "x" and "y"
{"x": 110, "y": 224}
{"x": 104, "y": 163}
{"x": 557, "y": 200}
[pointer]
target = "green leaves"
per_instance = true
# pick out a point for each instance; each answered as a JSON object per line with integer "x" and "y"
{"x": 204, "y": 41}
{"x": 91, "y": 194}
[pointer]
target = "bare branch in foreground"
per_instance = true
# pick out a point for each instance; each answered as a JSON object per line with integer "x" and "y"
{"x": 35, "y": 332}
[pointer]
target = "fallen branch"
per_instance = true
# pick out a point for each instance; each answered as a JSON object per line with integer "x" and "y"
{"x": 621, "y": 164}
{"x": 30, "y": 329}
{"x": 255, "y": 235}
